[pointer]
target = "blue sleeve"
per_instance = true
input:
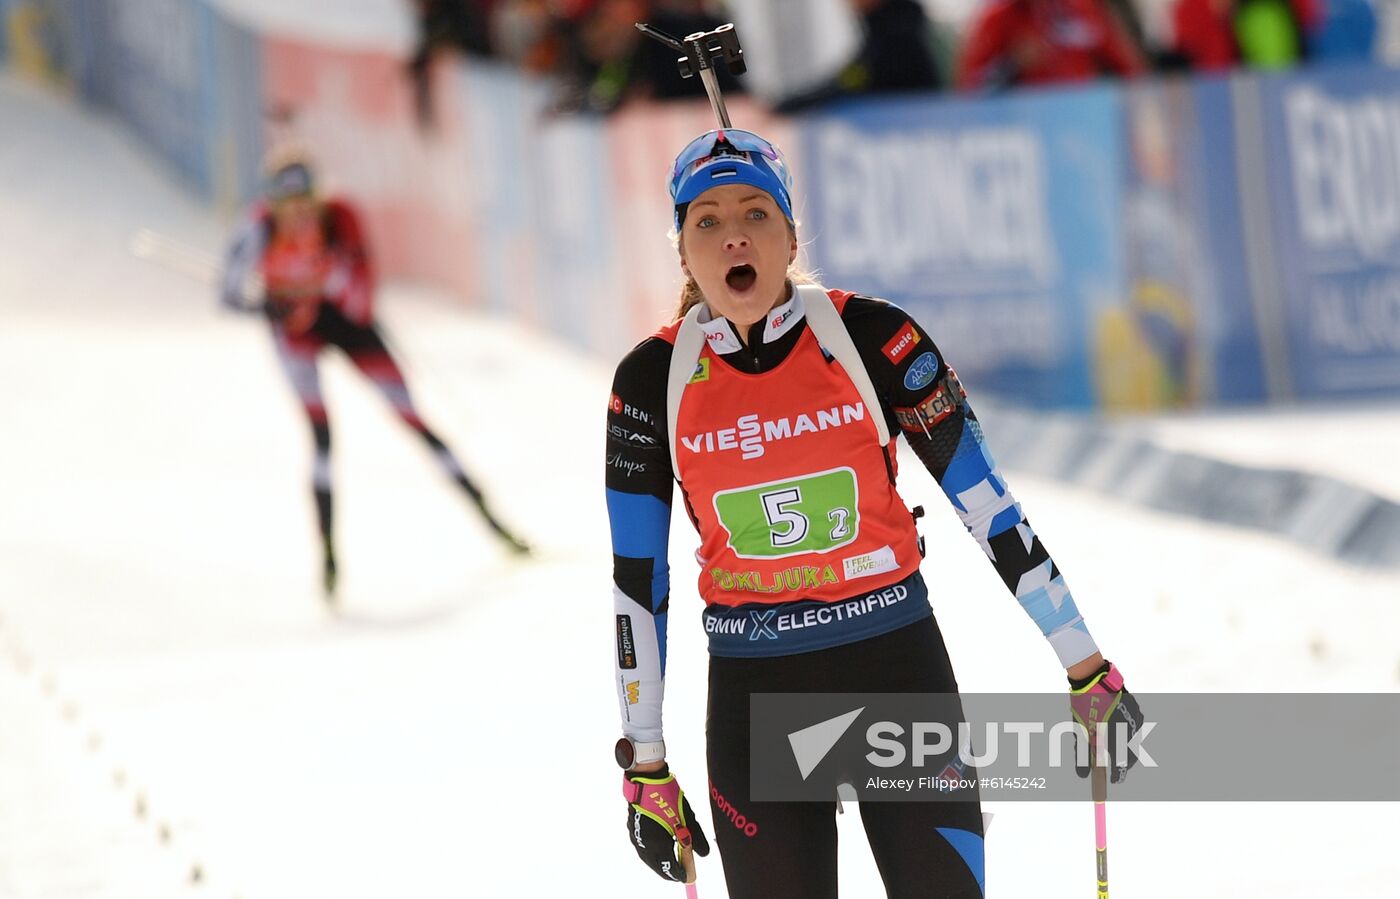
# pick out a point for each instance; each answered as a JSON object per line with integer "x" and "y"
{"x": 639, "y": 489}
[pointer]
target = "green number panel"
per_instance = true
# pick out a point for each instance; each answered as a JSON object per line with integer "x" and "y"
{"x": 813, "y": 513}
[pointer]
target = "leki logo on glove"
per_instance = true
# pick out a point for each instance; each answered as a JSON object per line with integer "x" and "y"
{"x": 662, "y": 805}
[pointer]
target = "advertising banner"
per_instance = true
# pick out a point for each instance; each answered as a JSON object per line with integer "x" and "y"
{"x": 506, "y": 115}
{"x": 237, "y": 138}
{"x": 994, "y": 221}
{"x": 39, "y": 39}
{"x": 1184, "y": 333}
{"x": 1331, "y": 139}
{"x": 353, "y": 110}
{"x": 146, "y": 60}
{"x": 578, "y": 252}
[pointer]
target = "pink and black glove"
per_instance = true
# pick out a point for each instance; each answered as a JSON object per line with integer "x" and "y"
{"x": 1101, "y": 697}
{"x": 661, "y": 825}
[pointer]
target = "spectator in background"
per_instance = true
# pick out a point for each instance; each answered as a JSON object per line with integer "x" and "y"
{"x": 452, "y": 25}
{"x": 1019, "y": 42}
{"x": 605, "y": 44}
{"x": 1130, "y": 20}
{"x": 612, "y": 62}
{"x": 1346, "y": 32}
{"x": 525, "y": 33}
{"x": 1215, "y": 35}
{"x": 897, "y": 54}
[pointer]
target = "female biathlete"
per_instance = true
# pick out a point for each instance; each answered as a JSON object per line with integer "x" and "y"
{"x": 773, "y": 404}
{"x": 303, "y": 258}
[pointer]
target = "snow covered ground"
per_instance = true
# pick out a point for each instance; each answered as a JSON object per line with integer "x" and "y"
{"x": 180, "y": 717}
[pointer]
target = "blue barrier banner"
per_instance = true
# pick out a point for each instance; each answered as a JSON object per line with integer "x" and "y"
{"x": 236, "y": 120}
{"x": 502, "y": 115}
{"x": 993, "y": 221}
{"x": 5, "y": 7}
{"x": 1332, "y": 148}
{"x": 148, "y": 60}
{"x": 84, "y": 24}
{"x": 577, "y": 243}
{"x": 1229, "y": 327}
{"x": 1185, "y": 332}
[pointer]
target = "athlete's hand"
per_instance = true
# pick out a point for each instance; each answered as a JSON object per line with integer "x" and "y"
{"x": 661, "y": 825}
{"x": 296, "y": 312}
{"x": 1102, "y": 697}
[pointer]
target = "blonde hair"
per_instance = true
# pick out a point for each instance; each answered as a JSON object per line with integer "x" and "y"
{"x": 691, "y": 295}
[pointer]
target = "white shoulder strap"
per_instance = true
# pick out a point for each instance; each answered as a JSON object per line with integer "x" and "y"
{"x": 831, "y": 333}
{"x": 690, "y": 340}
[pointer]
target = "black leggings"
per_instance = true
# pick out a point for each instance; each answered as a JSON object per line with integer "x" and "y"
{"x": 789, "y": 848}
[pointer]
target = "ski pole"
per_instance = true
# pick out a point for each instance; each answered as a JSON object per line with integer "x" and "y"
{"x": 1099, "y": 778}
{"x": 688, "y": 867}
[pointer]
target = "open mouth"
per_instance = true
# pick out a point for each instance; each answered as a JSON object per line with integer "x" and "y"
{"x": 741, "y": 277}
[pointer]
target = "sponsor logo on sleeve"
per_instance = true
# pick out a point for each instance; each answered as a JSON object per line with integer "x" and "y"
{"x": 634, "y": 692}
{"x": 922, "y": 372}
{"x": 628, "y": 435}
{"x": 617, "y": 407}
{"x": 627, "y": 466}
{"x": 945, "y": 398}
{"x": 901, "y": 343}
{"x": 626, "y": 648}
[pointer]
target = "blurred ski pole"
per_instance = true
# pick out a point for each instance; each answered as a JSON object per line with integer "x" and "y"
{"x": 1098, "y": 776}
{"x": 174, "y": 255}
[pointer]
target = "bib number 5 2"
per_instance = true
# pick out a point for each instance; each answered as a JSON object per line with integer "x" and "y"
{"x": 811, "y": 513}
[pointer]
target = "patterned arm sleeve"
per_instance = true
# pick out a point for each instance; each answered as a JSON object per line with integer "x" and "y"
{"x": 931, "y": 408}
{"x": 639, "y": 489}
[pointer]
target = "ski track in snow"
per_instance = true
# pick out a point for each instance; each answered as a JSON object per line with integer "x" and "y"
{"x": 162, "y": 642}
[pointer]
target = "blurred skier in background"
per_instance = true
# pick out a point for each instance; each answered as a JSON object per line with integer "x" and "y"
{"x": 301, "y": 260}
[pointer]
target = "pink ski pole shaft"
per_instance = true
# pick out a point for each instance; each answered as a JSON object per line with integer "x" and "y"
{"x": 1099, "y": 777}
